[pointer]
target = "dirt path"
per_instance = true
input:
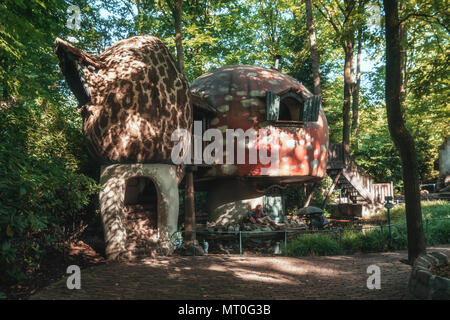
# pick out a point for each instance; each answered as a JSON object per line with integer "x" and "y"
{"x": 236, "y": 277}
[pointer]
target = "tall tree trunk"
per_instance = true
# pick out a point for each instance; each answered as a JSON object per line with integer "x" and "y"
{"x": 355, "y": 104}
{"x": 348, "y": 89}
{"x": 399, "y": 133}
{"x": 176, "y": 12}
{"x": 403, "y": 62}
{"x": 189, "y": 206}
{"x": 313, "y": 47}
{"x": 140, "y": 16}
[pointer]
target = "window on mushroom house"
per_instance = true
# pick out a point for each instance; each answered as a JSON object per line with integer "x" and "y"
{"x": 292, "y": 108}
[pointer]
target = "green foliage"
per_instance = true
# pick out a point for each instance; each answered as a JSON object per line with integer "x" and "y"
{"x": 373, "y": 240}
{"x": 295, "y": 195}
{"x": 45, "y": 190}
{"x": 430, "y": 210}
{"x": 41, "y": 188}
{"x": 438, "y": 232}
{"x": 44, "y": 167}
{"x": 313, "y": 245}
{"x": 376, "y": 239}
{"x": 357, "y": 241}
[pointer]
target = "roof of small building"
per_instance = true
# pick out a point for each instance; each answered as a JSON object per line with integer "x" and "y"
{"x": 244, "y": 82}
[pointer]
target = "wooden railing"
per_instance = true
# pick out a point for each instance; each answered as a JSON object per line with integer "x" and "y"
{"x": 381, "y": 190}
{"x": 338, "y": 158}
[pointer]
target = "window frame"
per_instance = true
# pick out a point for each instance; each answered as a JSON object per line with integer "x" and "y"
{"x": 309, "y": 112}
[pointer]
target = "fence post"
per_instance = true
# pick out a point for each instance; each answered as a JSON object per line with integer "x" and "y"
{"x": 340, "y": 238}
{"x": 285, "y": 243}
{"x": 390, "y": 229}
{"x": 382, "y": 236}
{"x": 426, "y": 231}
{"x": 240, "y": 242}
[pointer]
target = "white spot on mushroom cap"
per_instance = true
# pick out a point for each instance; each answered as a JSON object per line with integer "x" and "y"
{"x": 249, "y": 102}
{"x": 290, "y": 144}
{"x": 223, "y": 108}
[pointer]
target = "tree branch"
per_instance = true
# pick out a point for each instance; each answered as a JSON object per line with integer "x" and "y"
{"x": 349, "y": 10}
{"x": 424, "y": 15}
{"x": 340, "y": 7}
{"x": 328, "y": 17}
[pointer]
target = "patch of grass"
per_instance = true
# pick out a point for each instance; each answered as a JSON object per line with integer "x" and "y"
{"x": 376, "y": 239}
{"x": 437, "y": 232}
{"x": 430, "y": 209}
{"x": 358, "y": 241}
{"x": 313, "y": 245}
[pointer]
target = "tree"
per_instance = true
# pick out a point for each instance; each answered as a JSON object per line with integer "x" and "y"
{"x": 399, "y": 133}
{"x": 176, "y": 9}
{"x": 344, "y": 24}
{"x": 313, "y": 47}
{"x": 357, "y": 86}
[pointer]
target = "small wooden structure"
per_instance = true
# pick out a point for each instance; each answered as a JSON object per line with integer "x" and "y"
{"x": 360, "y": 195}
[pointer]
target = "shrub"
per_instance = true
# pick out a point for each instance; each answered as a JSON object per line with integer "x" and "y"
{"x": 313, "y": 245}
{"x": 438, "y": 232}
{"x": 358, "y": 241}
{"x": 42, "y": 190}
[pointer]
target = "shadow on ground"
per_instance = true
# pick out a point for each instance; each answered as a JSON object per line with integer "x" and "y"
{"x": 241, "y": 277}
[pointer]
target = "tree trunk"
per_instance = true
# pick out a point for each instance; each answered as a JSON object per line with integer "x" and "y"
{"x": 330, "y": 191}
{"x": 348, "y": 88}
{"x": 403, "y": 63}
{"x": 310, "y": 195}
{"x": 189, "y": 207}
{"x": 176, "y": 12}
{"x": 140, "y": 16}
{"x": 355, "y": 105}
{"x": 313, "y": 47}
{"x": 399, "y": 133}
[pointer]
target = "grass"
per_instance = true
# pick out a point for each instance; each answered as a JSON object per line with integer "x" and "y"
{"x": 430, "y": 210}
{"x": 313, "y": 245}
{"x": 377, "y": 239}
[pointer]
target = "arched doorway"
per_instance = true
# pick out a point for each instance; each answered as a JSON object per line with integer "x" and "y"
{"x": 141, "y": 212}
{"x": 124, "y": 230}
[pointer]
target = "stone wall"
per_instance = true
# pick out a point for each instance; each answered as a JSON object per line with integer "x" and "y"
{"x": 425, "y": 285}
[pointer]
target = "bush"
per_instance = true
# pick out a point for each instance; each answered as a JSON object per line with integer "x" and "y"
{"x": 357, "y": 241}
{"x": 42, "y": 191}
{"x": 313, "y": 245}
{"x": 438, "y": 232}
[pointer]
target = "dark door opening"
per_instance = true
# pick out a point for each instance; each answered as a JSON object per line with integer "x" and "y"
{"x": 290, "y": 110}
{"x": 141, "y": 201}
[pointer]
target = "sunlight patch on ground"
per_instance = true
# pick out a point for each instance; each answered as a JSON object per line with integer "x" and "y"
{"x": 262, "y": 278}
{"x": 293, "y": 266}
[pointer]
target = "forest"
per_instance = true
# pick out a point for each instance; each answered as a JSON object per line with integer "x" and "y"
{"x": 337, "y": 48}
